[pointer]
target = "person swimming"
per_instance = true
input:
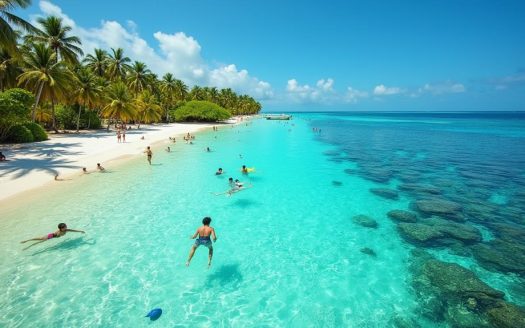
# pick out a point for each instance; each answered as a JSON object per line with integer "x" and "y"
{"x": 219, "y": 171}
{"x": 62, "y": 230}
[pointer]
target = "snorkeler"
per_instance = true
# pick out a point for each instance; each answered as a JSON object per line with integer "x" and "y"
{"x": 62, "y": 230}
{"x": 204, "y": 233}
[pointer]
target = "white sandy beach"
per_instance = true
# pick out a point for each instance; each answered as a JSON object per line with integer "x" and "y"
{"x": 33, "y": 165}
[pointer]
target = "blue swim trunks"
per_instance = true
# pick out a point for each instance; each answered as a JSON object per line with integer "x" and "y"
{"x": 204, "y": 241}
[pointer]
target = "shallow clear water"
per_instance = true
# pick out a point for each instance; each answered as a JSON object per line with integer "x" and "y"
{"x": 288, "y": 254}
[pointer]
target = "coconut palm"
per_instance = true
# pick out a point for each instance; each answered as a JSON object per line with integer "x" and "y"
{"x": 149, "y": 109}
{"x": 167, "y": 90}
{"x": 119, "y": 103}
{"x": 55, "y": 34}
{"x": 9, "y": 70}
{"x": 181, "y": 91}
{"x": 139, "y": 77}
{"x": 98, "y": 62}
{"x": 87, "y": 90}
{"x": 117, "y": 65}
{"x": 197, "y": 93}
{"x": 8, "y": 35}
{"x": 42, "y": 73}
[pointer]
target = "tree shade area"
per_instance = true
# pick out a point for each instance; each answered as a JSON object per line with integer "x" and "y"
{"x": 70, "y": 90}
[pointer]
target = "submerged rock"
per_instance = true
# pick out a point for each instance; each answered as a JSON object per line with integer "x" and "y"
{"x": 440, "y": 207}
{"x": 507, "y": 315}
{"x": 377, "y": 174}
{"x": 438, "y": 232}
{"x": 337, "y": 183}
{"x": 402, "y": 216}
{"x": 451, "y": 292}
{"x": 365, "y": 221}
{"x": 419, "y": 233}
{"x": 501, "y": 255}
{"x": 385, "y": 193}
{"x": 458, "y": 283}
{"x": 368, "y": 251}
{"x": 420, "y": 188}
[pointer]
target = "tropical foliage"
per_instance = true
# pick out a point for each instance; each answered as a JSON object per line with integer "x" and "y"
{"x": 198, "y": 110}
{"x": 72, "y": 91}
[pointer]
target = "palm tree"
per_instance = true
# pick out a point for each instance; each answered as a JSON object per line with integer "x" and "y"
{"x": 9, "y": 70}
{"x": 139, "y": 77}
{"x": 9, "y": 36}
{"x": 167, "y": 89}
{"x": 197, "y": 93}
{"x": 97, "y": 63}
{"x": 55, "y": 34}
{"x": 181, "y": 91}
{"x": 117, "y": 65}
{"x": 148, "y": 108}
{"x": 119, "y": 103}
{"x": 43, "y": 74}
{"x": 87, "y": 90}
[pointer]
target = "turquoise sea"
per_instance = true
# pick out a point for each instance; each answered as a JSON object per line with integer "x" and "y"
{"x": 310, "y": 244}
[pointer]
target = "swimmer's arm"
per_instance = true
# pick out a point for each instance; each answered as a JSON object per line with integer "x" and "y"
{"x": 213, "y": 235}
{"x": 73, "y": 230}
{"x": 195, "y": 234}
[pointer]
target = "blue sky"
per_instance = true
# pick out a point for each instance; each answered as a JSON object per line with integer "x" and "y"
{"x": 321, "y": 55}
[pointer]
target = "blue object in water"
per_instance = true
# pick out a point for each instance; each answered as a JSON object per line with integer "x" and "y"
{"x": 154, "y": 314}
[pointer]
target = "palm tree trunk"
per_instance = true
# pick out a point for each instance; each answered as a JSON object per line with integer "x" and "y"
{"x": 78, "y": 118}
{"x": 37, "y": 100}
{"x": 53, "y": 118}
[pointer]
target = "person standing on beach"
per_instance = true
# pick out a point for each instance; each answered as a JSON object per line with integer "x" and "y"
{"x": 204, "y": 233}
{"x": 124, "y": 135}
{"x": 119, "y": 136}
{"x": 62, "y": 230}
{"x": 149, "y": 153}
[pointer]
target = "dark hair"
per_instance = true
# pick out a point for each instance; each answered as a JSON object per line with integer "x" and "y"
{"x": 206, "y": 220}
{"x": 220, "y": 168}
{"x": 62, "y": 226}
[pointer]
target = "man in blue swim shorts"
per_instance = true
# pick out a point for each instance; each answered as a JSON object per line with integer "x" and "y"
{"x": 204, "y": 235}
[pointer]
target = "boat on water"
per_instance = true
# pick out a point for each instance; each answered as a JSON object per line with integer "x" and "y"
{"x": 282, "y": 117}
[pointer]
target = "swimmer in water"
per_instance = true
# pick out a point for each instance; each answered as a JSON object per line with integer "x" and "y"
{"x": 62, "y": 230}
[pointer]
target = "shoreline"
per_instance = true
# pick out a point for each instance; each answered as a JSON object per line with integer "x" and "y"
{"x": 32, "y": 167}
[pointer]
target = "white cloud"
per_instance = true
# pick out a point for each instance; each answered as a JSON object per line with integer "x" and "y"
{"x": 179, "y": 54}
{"x": 323, "y": 92}
{"x": 441, "y": 88}
{"x": 352, "y": 95}
{"x": 381, "y": 90}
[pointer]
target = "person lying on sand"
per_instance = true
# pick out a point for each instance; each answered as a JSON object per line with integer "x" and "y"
{"x": 100, "y": 168}
{"x": 62, "y": 230}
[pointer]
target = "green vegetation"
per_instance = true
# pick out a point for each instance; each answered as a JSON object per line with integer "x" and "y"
{"x": 14, "y": 112}
{"x": 203, "y": 111}
{"x": 19, "y": 134}
{"x": 66, "y": 90}
{"x": 37, "y": 131}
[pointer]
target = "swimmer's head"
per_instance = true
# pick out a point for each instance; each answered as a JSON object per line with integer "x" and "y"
{"x": 220, "y": 169}
{"x": 230, "y": 179}
{"x": 62, "y": 226}
{"x": 206, "y": 220}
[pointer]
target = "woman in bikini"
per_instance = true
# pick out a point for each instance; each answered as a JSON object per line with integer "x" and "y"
{"x": 62, "y": 230}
